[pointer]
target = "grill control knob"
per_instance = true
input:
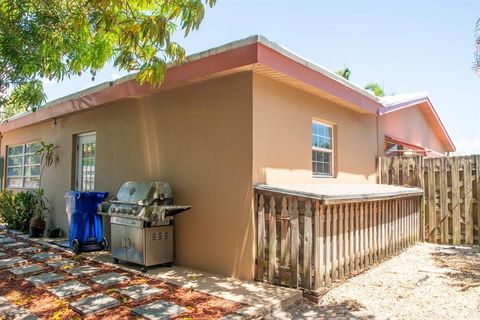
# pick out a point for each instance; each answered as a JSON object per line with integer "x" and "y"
{"x": 116, "y": 210}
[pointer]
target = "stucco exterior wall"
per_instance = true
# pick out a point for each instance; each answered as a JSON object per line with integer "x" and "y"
{"x": 282, "y": 136}
{"x": 198, "y": 138}
{"x": 410, "y": 125}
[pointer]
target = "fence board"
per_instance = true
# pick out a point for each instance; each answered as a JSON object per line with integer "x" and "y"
{"x": 328, "y": 247}
{"x": 449, "y": 212}
{"x": 477, "y": 196}
{"x": 272, "y": 240}
{"x": 341, "y": 258}
{"x": 307, "y": 246}
{"x": 468, "y": 188}
{"x": 260, "y": 238}
{"x": 294, "y": 248}
{"x": 455, "y": 204}
{"x": 285, "y": 243}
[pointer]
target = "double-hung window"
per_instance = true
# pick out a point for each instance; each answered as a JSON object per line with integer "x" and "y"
{"x": 322, "y": 149}
{"x": 23, "y": 166}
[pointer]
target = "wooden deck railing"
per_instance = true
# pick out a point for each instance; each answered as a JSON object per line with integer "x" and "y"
{"x": 304, "y": 243}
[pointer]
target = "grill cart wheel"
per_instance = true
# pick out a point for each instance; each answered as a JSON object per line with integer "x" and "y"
{"x": 144, "y": 269}
{"x": 115, "y": 260}
{"x": 76, "y": 246}
{"x": 105, "y": 244}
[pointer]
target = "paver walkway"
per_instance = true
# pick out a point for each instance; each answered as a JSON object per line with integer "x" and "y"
{"x": 40, "y": 283}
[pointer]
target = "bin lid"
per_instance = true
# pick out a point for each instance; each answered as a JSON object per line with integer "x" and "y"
{"x": 87, "y": 194}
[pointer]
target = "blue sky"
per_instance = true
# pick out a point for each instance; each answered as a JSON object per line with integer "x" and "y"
{"x": 405, "y": 45}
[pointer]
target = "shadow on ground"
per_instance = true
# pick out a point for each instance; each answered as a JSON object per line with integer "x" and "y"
{"x": 346, "y": 309}
{"x": 463, "y": 263}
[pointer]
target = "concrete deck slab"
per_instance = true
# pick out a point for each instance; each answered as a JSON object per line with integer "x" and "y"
{"x": 95, "y": 303}
{"x": 109, "y": 279}
{"x": 44, "y": 278}
{"x": 23, "y": 270}
{"x": 68, "y": 289}
{"x": 159, "y": 310}
{"x": 2, "y": 254}
{"x": 140, "y": 291}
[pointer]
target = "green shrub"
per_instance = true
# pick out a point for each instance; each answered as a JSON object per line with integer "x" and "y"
{"x": 16, "y": 209}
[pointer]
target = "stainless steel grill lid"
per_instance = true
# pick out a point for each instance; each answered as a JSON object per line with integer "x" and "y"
{"x": 143, "y": 193}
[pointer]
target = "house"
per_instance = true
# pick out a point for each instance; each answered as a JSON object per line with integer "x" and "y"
{"x": 228, "y": 118}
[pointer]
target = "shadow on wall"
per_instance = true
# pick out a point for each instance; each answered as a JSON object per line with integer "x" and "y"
{"x": 464, "y": 265}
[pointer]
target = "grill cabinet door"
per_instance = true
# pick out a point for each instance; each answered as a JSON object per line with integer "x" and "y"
{"x": 134, "y": 243}
{"x": 118, "y": 241}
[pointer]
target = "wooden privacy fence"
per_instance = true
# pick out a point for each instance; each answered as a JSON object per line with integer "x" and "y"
{"x": 303, "y": 242}
{"x": 451, "y": 204}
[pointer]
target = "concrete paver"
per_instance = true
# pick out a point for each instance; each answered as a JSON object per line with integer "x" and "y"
{"x": 28, "y": 250}
{"x": 82, "y": 270}
{"x": 14, "y": 245}
{"x": 23, "y": 270}
{"x": 60, "y": 263}
{"x": 68, "y": 289}
{"x": 140, "y": 291}
{"x": 159, "y": 310}
{"x": 44, "y": 278}
{"x": 44, "y": 256}
{"x": 11, "y": 311}
{"x": 11, "y": 262}
{"x": 109, "y": 279}
{"x": 95, "y": 303}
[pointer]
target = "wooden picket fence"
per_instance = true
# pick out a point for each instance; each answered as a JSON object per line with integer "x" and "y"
{"x": 451, "y": 204}
{"x": 302, "y": 242}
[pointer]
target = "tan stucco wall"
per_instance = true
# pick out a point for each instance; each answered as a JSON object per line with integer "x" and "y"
{"x": 198, "y": 138}
{"x": 282, "y": 119}
{"x": 408, "y": 124}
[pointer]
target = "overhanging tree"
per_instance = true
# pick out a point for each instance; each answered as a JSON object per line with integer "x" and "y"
{"x": 375, "y": 88}
{"x": 57, "y": 39}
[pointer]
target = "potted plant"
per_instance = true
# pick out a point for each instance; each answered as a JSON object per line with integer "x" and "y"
{"x": 37, "y": 222}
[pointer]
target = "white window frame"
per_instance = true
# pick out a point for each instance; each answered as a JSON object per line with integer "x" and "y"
{"x": 23, "y": 165}
{"x": 331, "y": 151}
{"x": 84, "y": 138}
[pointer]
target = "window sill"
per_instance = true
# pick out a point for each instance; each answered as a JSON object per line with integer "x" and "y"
{"x": 322, "y": 177}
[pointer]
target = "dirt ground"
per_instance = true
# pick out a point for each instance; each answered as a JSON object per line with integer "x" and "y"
{"x": 426, "y": 281}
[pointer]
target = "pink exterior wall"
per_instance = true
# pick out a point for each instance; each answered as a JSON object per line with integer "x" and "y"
{"x": 410, "y": 125}
{"x": 282, "y": 136}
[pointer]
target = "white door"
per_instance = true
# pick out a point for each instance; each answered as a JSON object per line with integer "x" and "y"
{"x": 86, "y": 149}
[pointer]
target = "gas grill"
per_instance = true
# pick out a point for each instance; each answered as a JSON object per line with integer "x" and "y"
{"x": 141, "y": 218}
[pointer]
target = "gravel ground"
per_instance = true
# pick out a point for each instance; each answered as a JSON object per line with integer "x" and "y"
{"x": 427, "y": 281}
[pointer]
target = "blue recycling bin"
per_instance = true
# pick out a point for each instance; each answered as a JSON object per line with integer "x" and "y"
{"x": 85, "y": 225}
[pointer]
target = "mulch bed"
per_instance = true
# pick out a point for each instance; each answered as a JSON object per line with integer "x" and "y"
{"x": 47, "y": 306}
